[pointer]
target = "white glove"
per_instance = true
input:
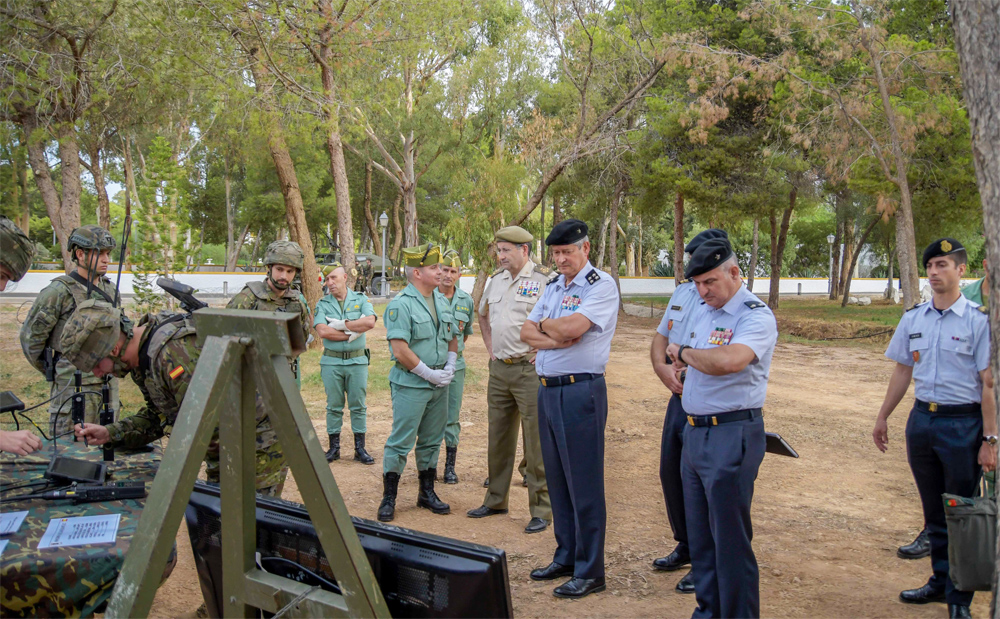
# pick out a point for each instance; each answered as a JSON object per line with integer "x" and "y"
{"x": 337, "y": 323}
{"x": 449, "y": 376}
{"x": 452, "y": 360}
{"x": 434, "y": 377}
{"x": 353, "y": 336}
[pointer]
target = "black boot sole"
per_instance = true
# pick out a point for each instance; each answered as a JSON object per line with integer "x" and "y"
{"x": 913, "y": 557}
{"x": 363, "y": 461}
{"x": 442, "y": 512}
{"x": 382, "y": 518}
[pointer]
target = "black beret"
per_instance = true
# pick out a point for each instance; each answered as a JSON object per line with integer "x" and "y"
{"x": 704, "y": 235}
{"x": 566, "y": 232}
{"x": 942, "y": 247}
{"x": 708, "y": 256}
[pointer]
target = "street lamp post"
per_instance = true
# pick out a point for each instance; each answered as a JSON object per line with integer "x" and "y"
{"x": 383, "y": 220}
{"x": 829, "y": 240}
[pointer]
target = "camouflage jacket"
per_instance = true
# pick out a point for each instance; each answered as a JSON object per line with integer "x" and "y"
{"x": 168, "y": 354}
{"x": 50, "y": 312}
{"x": 259, "y": 296}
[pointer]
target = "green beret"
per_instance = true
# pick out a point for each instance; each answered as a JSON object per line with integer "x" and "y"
{"x": 942, "y": 247}
{"x": 513, "y": 234}
{"x": 421, "y": 255}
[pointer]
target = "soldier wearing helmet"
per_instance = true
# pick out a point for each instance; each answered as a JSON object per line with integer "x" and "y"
{"x": 277, "y": 293}
{"x": 90, "y": 247}
{"x": 160, "y": 353}
{"x": 16, "y": 252}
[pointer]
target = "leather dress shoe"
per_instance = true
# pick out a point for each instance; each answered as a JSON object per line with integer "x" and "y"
{"x": 579, "y": 587}
{"x": 957, "y": 611}
{"x": 917, "y": 549}
{"x": 551, "y": 571}
{"x": 671, "y": 562}
{"x": 482, "y": 511}
{"x": 686, "y": 584}
{"x": 486, "y": 483}
{"x": 537, "y": 525}
{"x": 524, "y": 482}
{"x": 922, "y": 595}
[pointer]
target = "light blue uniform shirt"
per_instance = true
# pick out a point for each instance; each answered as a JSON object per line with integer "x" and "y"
{"x": 743, "y": 320}
{"x": 594, "y": 294}
{"x": 946, "y": 351}
{"x": 682, "y": 304}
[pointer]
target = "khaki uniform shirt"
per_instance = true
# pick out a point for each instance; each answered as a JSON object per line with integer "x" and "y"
{"x": 509, "y": 300}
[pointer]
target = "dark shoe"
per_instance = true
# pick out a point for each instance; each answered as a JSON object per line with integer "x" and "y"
{"x": 428, "y": 498}
{"x": 536, "y": 525}
{"x": 686, "y": 584}
{"x": 917, "y": 549}
{"x": 482, "y": 511}
{"x": 671, "y": 562}
{"x": 579, "y": 587}
{"x": 334, "y": 452}
{"x": 360, "y": 454}
{"x": 922, "y": 595}
{"x": 486, "y": 483}
{"x": 524, "y": 482}
{"x": 387, "y": 508}
{"x": 957, "y": 611}
{"x": 449, "y": 465}
{"x": 551, "y": 572}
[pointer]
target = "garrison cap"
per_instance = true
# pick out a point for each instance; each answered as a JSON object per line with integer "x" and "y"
{"x": 942, "y": 247}
{"x": 91, "y": 333}
{"x": 451, "y": 259}
{"x": 708, "y": 256}
{"x": 333, "y": 266}
{"x": 421, "y": 255}
{"x": 16, "y": 250}
{"x": 513, "y": 234}
{"x": 704, "y": 235}
{"x": 566, "y": 232}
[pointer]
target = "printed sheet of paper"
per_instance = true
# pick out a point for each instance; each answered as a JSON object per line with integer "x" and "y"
{"x": 80, "y": 531}
{"x": 10, "y": 522}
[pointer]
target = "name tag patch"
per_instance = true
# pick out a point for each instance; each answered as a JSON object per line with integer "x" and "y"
{"x": 527, "y": 288}
{"x": 914, "y": 336}
{"x": 570, "y": 302}
{"x": 720, "y": 336}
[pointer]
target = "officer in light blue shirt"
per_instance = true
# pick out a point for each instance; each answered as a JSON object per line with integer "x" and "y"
{"x": 944, "y": 346}
{"x": 572, "y": 326}
{"x": 727, "y": 351}
{"x": 675, "y": 328}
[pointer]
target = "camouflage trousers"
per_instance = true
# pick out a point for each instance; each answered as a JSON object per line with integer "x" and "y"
{"x": 269, "y": 462}
{"x": 61, "y": 408}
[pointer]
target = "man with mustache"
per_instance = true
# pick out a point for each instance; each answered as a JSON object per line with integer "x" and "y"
{"x": 461, "y": 309}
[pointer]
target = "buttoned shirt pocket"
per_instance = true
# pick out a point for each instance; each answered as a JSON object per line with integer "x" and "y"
{"x": 447, "y": 323}
{"x": 423, "y": 327}
{"x": 957, "y": 343}
{"x": 462, "y": 317}
{"x": 918, "y": 347}
{"x": 352, "y": 314}
{"x": 675, "y": 325}
{"x": 495, "y": 296}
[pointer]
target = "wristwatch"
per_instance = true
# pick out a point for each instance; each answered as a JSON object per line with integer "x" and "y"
{"x": 540, "y": 329}
{"x": 991, "y": 439}
{"x": 680, "y": 352}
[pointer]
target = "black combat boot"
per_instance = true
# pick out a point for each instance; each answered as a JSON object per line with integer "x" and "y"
{"x": 427, "y": 497}
{"x": 449, "y": 465}
{"x": 334, "y": 452}
{"x": 360, "y": 454}
{"x": 387, "y": 508}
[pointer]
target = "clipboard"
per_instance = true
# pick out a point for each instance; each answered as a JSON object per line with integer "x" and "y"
{"x": 779, "y": 446}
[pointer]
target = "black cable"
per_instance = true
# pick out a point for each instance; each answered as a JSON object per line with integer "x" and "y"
{"x": 22, "y": 497}
{"x": 58, "y": 410}
{"x": 42, "y": 482}
{"x": 334, "y": 586}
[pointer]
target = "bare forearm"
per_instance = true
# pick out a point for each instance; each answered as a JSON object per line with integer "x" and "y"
{"x": 567, "y": 327}
{"x": 365, "y": 323}
{"x": 329, "y": 333}
{"x": 453, "y": 345}
{"x": 531, "y": 336}
{"x": 989, "y": 411}
{"x": 898, "y": 384}
{"x": 719, "y": 361}
{"x": 486, "y": 332}
{"x": 405, "y": 356}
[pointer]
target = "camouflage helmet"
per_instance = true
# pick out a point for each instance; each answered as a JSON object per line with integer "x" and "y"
{"x": 90, "y": 237}
{"x": 284, "y": 252}
{"x": 16, "y": 250}
{"x": 90, "y": 334}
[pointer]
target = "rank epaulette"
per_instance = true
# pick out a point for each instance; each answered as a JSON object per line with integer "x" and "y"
{"x": 915, "y": 306}
{"x": 540, "y": 268}
{"x": 497, "y": 272}
{"x": 754, "y": 304}
{"x": 593, "y": 277}
{"x": 983, "y": 309}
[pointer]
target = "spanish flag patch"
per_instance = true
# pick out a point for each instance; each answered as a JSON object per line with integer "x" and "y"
{"x": 177, "y": 371}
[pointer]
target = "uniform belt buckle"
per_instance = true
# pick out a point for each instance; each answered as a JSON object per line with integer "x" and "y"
{"x": 933, "y": 406}
{"x": 508, "y": 361}
{"x": 572, "y": 379}
{"x": 715, "y": 420}
{"x": 691, "y": 420}
{"x": 544, "y": 384}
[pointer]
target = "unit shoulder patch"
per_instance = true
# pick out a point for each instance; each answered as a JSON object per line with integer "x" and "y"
{"x": 755, "y": 304}
{"x": 593, "y": 277}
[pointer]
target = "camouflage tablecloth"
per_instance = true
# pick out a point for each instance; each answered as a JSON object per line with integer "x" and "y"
{"x": 77, "y": 580}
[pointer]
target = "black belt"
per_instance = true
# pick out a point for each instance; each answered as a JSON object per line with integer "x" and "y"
{"x": 351, "y": 354}
{"x": 748, "y": 414}
{"x": 567, "y": 379}
{"x": 950, "y": 409}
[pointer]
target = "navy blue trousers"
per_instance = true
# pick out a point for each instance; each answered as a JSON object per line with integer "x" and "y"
{"x": 718, "y": 467}
{"x": 943, "y": 451}
{"x": 671, "y": 444}
{"x": 571, "y": 421}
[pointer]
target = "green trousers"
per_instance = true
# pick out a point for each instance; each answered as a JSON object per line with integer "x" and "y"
{"x": 350, "y": 381}
{"x": 512, "y": 397}
{"x": 455, "y": 390}
{"x": 418, "y": 419}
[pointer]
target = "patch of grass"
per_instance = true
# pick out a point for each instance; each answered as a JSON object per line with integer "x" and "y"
{"x": 657, "y": 302}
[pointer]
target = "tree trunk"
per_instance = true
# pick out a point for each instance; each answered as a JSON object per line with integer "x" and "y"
{"x": 754, "y": 253}
{"x": 602, "y": 241}
{"x": 345, "y": 227}
{"x": 639, "y": 259}
{"x": 410, "y": 232}
{"x": 845, "y": 264}
{"x": 369, "y": 216}
{"x": 679, "y": 238}
{"x": 854, "y": 258}
{"x": 63, "y": 212}
{"x": 103, "y": 203}
{"x": 616, "y": 201}
{"x": 20, "y": 157}
{"x": 778, "y": 238}
{"x": 556, "y": 218}
{"x": 541, "y": 243}
{"x": 231, "y": 252}
{"x": 977, "y": 37}
{"x": 838, "y": 238}
{"x": 889, "y": 283}
{"x": 397, "y": 242}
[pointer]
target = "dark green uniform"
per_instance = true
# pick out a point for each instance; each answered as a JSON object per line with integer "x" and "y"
{"x": 461, "y": 308}
{"x": 344, "y": 365}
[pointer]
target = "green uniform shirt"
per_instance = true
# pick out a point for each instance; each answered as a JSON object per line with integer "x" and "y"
{"x": 408, "y": 318}
{"x": 461, "y": 311}
{"x": 356, "y": 305}
{"x": 974, "y": 292}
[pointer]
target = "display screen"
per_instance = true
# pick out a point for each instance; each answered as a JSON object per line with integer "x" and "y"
{"x": 79, "y": 470}
{"x": 10, "y": 402}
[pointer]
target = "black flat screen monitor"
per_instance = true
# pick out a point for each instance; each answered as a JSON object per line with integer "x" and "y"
{"x": 421, "y": 575}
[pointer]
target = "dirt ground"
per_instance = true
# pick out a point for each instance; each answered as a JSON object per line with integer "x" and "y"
{"x": 826, "y": 525}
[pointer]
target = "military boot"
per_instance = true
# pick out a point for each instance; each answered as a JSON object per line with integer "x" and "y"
{"x": 387, "y": 508}
{"x": 360, "y": 454}
{"x": 334, "y": 452}
{"x": 427, "y": 497}
{"x": 449, "y": 465}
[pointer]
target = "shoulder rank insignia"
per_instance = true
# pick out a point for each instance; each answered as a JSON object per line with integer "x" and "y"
{"x": 553, "y": 277}
{"x": 983, "y": 309}
{"x": 593, "y": 277}
{"x": 497, "y": 272}
{"x": 176, "y": 372}
{"x": 915, "y": 307}
{"x": 754, "y": 304}
{"x": 541, "y": 268}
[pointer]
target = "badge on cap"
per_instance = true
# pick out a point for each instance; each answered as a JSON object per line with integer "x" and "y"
{"x": 945, "y": 246}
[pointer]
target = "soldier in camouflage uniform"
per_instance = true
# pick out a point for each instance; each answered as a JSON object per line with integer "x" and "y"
{"x": 90, "y": 247}
{"x": 161, "y": 353}
{"x": 16, "y": 253}
{"x": 277, "y": 293}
